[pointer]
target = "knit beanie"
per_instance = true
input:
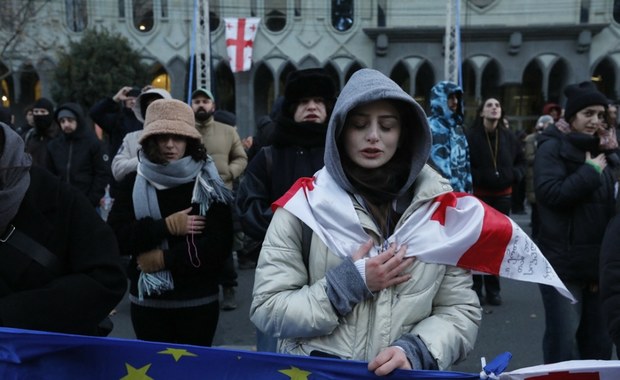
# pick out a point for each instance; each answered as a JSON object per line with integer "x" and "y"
{"x": 44, "y": 103}
{"x": 580, "y": 96}
{"x": 65, "y": 112}
{"x": 169, "y": 116}
{"x": 308, "y": 83}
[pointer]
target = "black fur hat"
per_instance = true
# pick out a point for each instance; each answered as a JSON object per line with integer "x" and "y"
{"x": 308, "y": 83}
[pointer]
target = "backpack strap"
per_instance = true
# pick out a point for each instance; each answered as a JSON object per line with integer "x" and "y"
{"x": 31, "y": 248}
{"x": 306, "y": 239}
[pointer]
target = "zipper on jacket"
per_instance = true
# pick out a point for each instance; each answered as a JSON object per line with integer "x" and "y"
{"x": 69, "y": 161}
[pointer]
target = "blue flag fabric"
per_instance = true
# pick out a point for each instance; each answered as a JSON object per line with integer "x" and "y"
{"x": 26, "y": 354}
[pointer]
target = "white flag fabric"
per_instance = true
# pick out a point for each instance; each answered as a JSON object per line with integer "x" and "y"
{"x": 574, "y": 369}
{"x": 453, "y": 229}
{"x": 240, "y": 34}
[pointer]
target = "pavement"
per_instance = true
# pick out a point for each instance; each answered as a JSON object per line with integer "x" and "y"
{"x": 516, "y": 326}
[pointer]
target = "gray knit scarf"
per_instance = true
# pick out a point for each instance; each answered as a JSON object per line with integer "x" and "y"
{"x": 208, "y": 187}
{"x": 14, "y": 175}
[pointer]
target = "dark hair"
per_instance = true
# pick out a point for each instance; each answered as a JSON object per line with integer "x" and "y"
{"x": 479, "y": 122}
{"x": 194, "y": 148}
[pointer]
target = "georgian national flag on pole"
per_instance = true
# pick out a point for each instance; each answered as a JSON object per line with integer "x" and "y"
{"x": 452, "y": 229}
{"x": 240, "y": 33}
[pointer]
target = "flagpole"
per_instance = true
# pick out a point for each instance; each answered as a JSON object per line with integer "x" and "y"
{"x": 192, "y": 53}
{"x": 203, "y": 43}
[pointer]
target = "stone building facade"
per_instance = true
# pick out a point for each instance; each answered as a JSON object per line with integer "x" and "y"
{"x": 523, "y": 52}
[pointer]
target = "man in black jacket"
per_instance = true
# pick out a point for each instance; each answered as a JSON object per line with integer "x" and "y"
{"x": 77, "y": 156}
{"x": 59, "y": 263}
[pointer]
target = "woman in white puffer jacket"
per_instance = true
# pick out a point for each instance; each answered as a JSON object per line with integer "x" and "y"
{"x": 370, "y": 303}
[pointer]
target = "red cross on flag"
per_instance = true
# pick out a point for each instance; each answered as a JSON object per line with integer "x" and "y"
{"x": 240, "y": 33}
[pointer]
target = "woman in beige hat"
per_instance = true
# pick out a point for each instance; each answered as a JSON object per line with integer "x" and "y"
{"x": 171, "y": 217}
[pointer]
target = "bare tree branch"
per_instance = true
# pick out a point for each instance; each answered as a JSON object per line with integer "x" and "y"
{"x": 13, "y": 24}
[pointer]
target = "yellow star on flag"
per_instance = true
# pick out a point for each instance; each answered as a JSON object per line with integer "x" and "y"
{"x": 177, "y": 353}
{"x": 295, "y": 373}
{"x": 136, "y": 373}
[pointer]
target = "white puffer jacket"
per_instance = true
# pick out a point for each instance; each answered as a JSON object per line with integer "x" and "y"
{"x": 290, "y": 302}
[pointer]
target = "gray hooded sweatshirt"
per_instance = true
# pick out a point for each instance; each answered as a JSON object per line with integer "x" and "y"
{"x": 365, "y": 86}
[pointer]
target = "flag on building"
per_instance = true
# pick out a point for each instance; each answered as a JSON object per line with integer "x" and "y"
{"x": 240, "y": 34}
{"x": 453, "y": 229}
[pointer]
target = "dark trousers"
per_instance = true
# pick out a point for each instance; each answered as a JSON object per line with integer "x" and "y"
{"x": 189, "y": 325}
{"x": 574, "y": 331}
{"x": 535, "y": 222}
{"x": 491, "y": 284}
{"x": 227, "y": 278}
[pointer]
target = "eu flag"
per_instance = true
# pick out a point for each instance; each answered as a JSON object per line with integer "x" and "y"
{"x": 26, "y": 354}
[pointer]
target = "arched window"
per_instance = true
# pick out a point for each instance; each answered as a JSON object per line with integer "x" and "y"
{"x": 342, "y": 14}
{"x": 400, "y": 75}
{"x": 604, "y": 76}
{"x": 381, "y": 12}
{"x": 76, "y": 14}
{"x": 616, "y": 11}
{"x": 297, "y": 8}
{"x": 355, "y": 66}
{"x": 121, "y": 8}
{"x": 527, "y": 98}
{"x": 424, "y": 81}
{"x": 163, "y": 4}
{"x": 5, "y": 88}
{"x": 143, "y": 15}
{"x": 28, "y": 82}
{"x": 264, "y": 91}
{"x": 161, "y": 80}
{"x": 275, "y": 14}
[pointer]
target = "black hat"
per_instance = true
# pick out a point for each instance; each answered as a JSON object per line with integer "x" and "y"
{"x": 308, "y": 83}
{"x": 45, "y": 104}
{"x": 580, "y": 96}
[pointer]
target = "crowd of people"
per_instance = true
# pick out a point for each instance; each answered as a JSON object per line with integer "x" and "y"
{"x": 188, "y": 192}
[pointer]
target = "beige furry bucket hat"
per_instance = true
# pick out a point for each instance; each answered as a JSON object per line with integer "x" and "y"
{"x": 169, "y": 117}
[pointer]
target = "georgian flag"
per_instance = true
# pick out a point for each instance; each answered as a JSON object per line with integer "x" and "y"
{"x": 452, "y": 229}
{"x": 240, "y": 33}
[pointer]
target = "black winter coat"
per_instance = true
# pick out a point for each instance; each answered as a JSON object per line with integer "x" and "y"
{"x": 297, "y": 151}
{"x": 610, "y": 278}
{"x": 214, "y": 244}
{"x": 79, "y": 159}
{"x": 60, "y": 218}
{"x": 116, "y": 120}
{"x": 510, "y": 159}
{"x": 575, "y": 203}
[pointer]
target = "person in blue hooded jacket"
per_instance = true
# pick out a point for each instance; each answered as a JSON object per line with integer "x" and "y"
{"x": 450, "y": 152}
